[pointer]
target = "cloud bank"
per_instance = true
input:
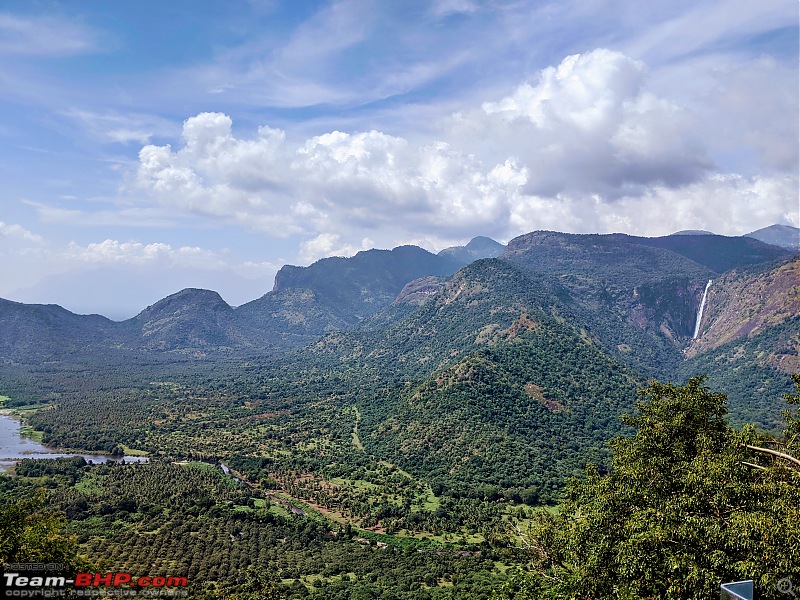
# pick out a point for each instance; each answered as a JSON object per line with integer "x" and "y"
{"x": 587, "y": 147}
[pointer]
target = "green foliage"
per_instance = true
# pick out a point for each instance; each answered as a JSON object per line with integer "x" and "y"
{"x": 32, "y": 532}
{"x": 754, "y": 388}
{"x": 387, "y": 460}
{"x": 193, "y": 521}
{"x": 792, "y": 432}
{"x": 259, "y": 585}
{"x": 680, "y": 513}
{"x": 488, "y": 426}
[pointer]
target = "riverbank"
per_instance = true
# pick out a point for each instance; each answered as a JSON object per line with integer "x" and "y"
{"x": 14, "y": 446}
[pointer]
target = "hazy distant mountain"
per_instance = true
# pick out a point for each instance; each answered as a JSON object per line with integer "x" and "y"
{"x": 39, "y": 331}
{"x": 477, "y": 248}
{"x": 717, "y": 252}
{"x": 637, "y": 296}
{"x": 785, "y": 236}
{"x": 121, "y": 294}
{"x": 551, "y": 336}
{"x": 692, "y": 232}
{"x": 333, "y": 293}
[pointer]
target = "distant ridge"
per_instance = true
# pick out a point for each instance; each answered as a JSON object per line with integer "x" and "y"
{"x": 693, "y": 232}
{"x": 477, "y": 248}
{"x": 784, "y": 236}
{"x": 623, "y": 286}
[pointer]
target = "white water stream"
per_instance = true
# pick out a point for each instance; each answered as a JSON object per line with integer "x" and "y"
{"x": 700, "y": 312}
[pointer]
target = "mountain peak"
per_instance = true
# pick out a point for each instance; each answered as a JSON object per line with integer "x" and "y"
{"x": 190, "y": 295}
{"x": 784, "y": 236}
{"x": 477, "y": 248}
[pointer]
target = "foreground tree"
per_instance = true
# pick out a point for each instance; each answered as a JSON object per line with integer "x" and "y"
{"x": 690, "y": 503}
{"x": 32, "y": 533}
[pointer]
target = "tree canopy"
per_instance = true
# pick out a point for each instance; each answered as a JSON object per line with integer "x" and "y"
{"x": 689, "y": 504}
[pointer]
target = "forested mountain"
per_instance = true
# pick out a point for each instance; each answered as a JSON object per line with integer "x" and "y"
{"x": 332, "y": 293}
{"x": 34, "y": 332}
{"x": 635, "y": 298}
{"x": 749, "y": 339}
{"x": 338, "y": 293}
{"x": 639, "y": 296}
{"x": 189, "y": 319}
{"x": 395, "y": 397}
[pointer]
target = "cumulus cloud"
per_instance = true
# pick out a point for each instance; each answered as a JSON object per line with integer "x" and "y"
{"x": 17, "y": 232}
{"x": 586, "y": 147}
{"x": 113, "y": 252}
{"x": 34, "y": 269}
{"x": 723, "y": 203}
{"x": 124, "y": 277}
{"x": 752, "y": 110}
{"x": 330, "y": 244}
{"x": 590, "y": 125}
{"x": 219, "y": 176}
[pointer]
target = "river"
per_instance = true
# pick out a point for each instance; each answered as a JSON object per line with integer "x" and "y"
{"x": 14, "y": 447}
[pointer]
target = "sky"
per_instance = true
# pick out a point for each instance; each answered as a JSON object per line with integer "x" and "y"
{"x": 150, "y": 146}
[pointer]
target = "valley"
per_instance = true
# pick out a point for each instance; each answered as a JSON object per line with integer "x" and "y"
{"x": 396, "y": 418}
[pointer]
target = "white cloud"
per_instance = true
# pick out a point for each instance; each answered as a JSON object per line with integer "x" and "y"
{"x": 113, "y": 252}
{"x": 725, "y": 204}
{"x": 123, "y": 277}
{"x": 711, "y": 27}
{"x": 14, "y": 232}
{"x": 751, "y": 109}
{"x": 330, "y": 244}
{"x": 219, "y": 176}
{"x": 587, "y": 147}
{"x": 33, "y": 269}
{"x": 254, "y": 270}
{"x": 589, "y": 125}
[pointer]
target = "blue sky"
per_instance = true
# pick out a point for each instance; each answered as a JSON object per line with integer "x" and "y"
{"x": 149, "y": 146}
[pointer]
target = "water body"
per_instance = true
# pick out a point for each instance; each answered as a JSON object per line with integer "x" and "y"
{"x": 700, "y": 312}
{"x": 14, "y": 447}
{"x": 227, "y": 471}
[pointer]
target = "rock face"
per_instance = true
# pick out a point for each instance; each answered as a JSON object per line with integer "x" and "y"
{"x": 339, "y": 293}
{"x": 744, "y": 304}
{"x": 420, "y": 290}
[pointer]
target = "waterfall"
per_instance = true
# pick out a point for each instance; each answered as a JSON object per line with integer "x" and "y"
{"x": 700, "y": 312}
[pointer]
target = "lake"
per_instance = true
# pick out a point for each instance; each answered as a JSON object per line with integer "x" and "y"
{"x": 14, "y": 447}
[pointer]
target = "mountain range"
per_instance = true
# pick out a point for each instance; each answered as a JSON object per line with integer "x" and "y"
{"x": 630, "y": 292}
{"x": 487, "y": 369}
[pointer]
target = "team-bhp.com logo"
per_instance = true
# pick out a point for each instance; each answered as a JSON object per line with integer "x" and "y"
{"x": 49, "y": 581}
